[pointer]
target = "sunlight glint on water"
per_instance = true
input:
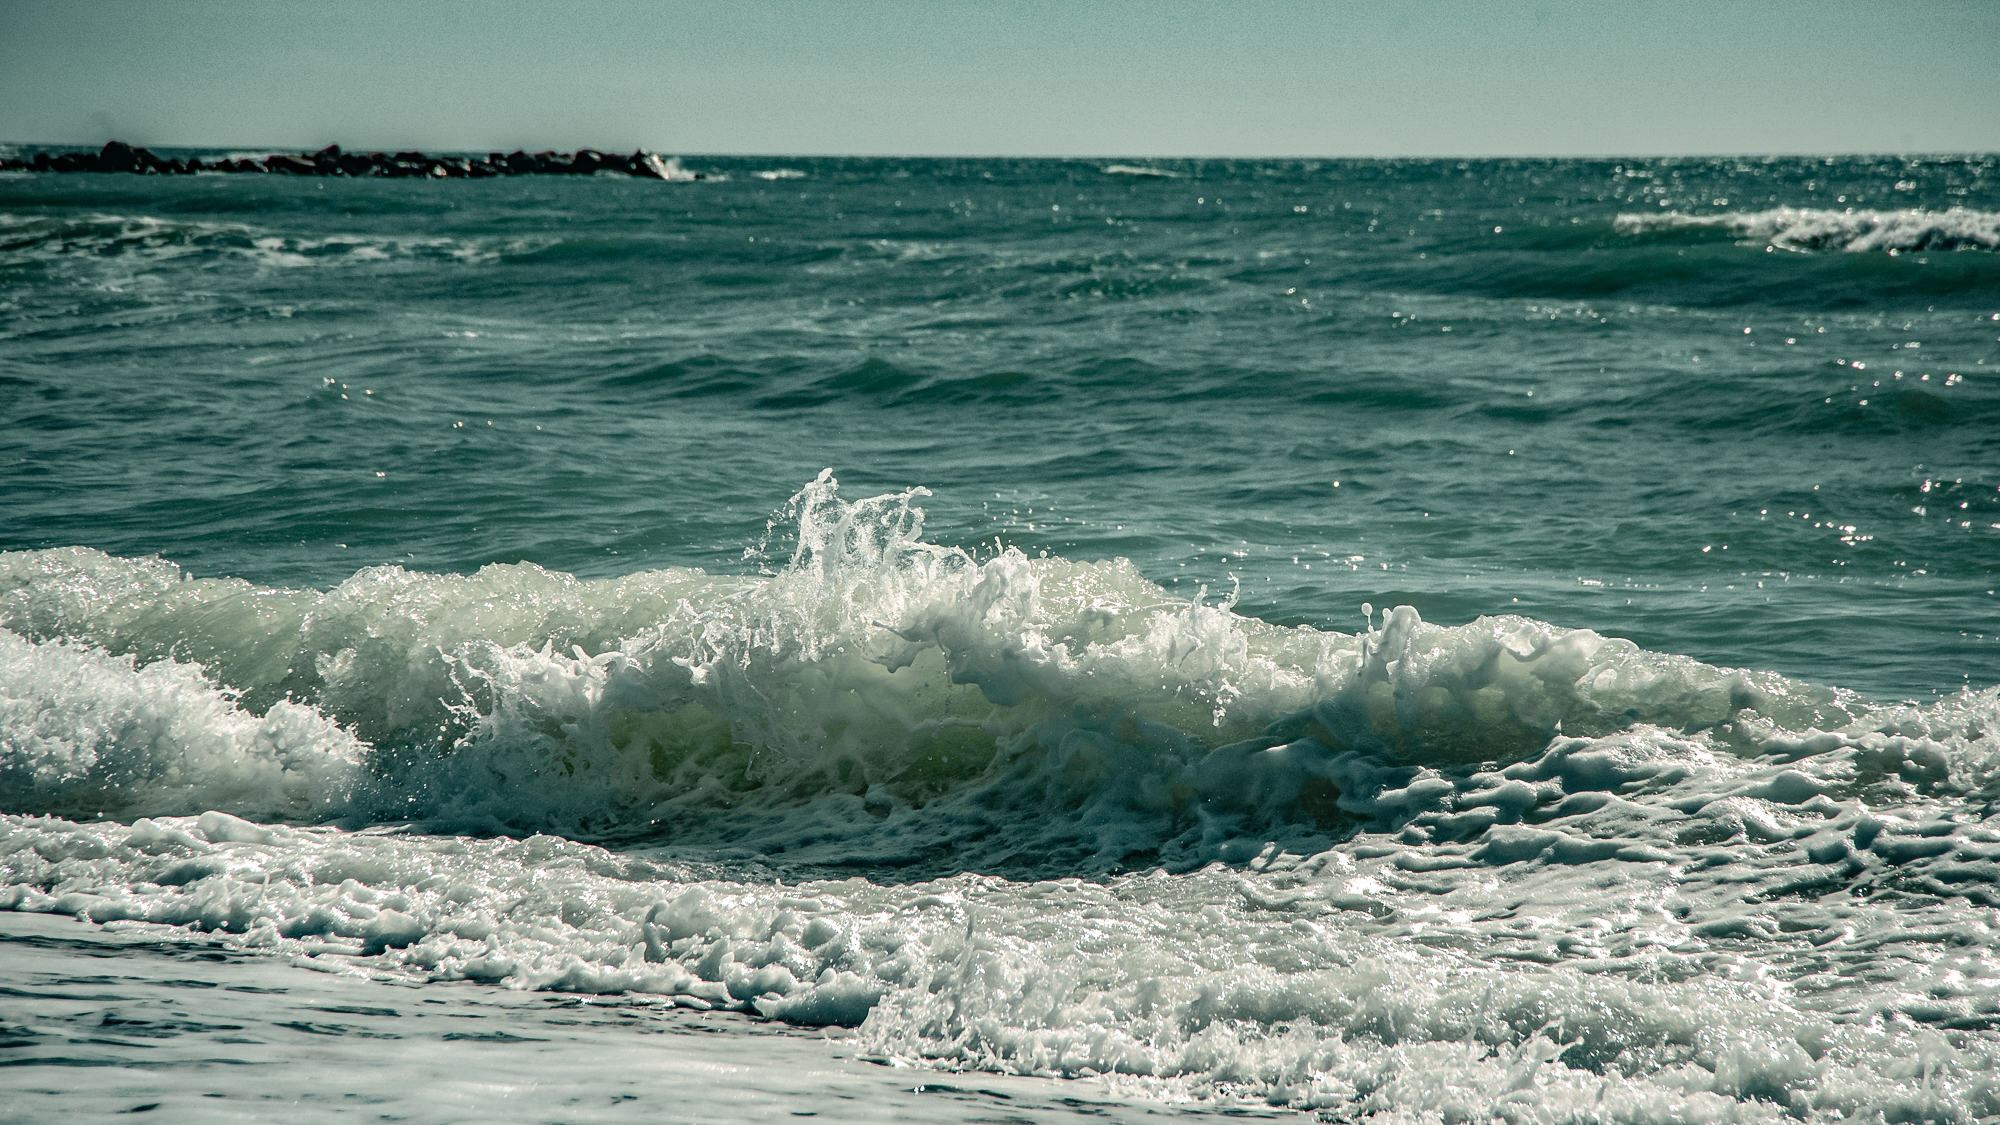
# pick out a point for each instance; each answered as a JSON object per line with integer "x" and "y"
{"x": 398, "y": 579}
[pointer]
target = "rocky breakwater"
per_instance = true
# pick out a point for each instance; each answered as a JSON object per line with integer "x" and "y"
{"x": 118, "y": 156}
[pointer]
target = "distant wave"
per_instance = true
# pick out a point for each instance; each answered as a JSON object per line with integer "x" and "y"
{"x": 780, "y": 174}
{"x": 1851, "y": 231}
{"x": 1140, "y": 170}
{"x": 671, "y": 171}
{"x": 105, "y": 238}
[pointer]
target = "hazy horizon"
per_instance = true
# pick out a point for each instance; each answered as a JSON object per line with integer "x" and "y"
{"x": 1078, "y": 156}
{"x": 894, "y": 78}
{"x": 233, "y": 146}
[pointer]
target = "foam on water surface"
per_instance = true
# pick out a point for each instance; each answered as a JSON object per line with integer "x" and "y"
{"x": 80, "y": 245}
{"x": 1493, "y": 870}
{"x": 1066, "y": 706}
{"x": 183, "y": 1028}
{"x": 1852, "y": 230}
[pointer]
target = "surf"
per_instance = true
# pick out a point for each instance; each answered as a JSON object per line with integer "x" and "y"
{"x": 868, "y": 674}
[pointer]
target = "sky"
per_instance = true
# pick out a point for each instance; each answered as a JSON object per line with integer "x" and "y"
{"x": 944, "y": 77}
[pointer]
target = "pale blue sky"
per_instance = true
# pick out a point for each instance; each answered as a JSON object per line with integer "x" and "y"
{"x": 1141, "y": 77}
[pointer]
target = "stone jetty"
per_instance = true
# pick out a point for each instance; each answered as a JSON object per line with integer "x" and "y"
{"x": 332, "y": 161}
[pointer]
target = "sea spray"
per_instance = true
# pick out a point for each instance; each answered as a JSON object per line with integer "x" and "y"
{"x": 875, "y": 671}
{"x": 1477, "y": 869}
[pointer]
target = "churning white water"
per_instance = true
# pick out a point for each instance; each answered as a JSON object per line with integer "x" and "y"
{"x": 1031, "y": 817}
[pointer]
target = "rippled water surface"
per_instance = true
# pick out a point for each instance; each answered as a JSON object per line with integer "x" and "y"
{"x": 1528, "y": 378}
{"x": 1422, "y": 640}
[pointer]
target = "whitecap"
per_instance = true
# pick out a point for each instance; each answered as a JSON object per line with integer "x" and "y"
{"x": 1851, "y": 230}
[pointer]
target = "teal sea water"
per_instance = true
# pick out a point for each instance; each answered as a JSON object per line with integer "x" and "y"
{"x": 1429, "y": 640}
{"x": 1528, "y": 378}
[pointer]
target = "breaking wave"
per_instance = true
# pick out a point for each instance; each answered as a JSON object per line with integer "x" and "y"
{"x": 103, "y": 238}
{"x": 1496, "y": 870}
{"x": 1850, "y": 230}
{"x": 999, "y": 712}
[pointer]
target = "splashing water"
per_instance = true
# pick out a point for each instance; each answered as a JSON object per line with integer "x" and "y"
{"x": 1500, "y": 868}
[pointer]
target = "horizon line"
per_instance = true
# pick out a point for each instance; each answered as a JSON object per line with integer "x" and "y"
{"x": 746, "y": 155}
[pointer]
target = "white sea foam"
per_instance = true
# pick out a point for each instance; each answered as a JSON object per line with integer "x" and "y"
{"x": 1850, "y": 230}
{"x": 43, "y": 237}
{"x": 1635, "y": 928}
{"x": 183, "y": 1028}
{"x": 1493, "y": 870}
{"x": 81, "y": 729}
{"x": 875, "y": 672}
{"x": 671, "y": 170}
{"x": 118, "y": 241}
{"x": 1141, "y": 170}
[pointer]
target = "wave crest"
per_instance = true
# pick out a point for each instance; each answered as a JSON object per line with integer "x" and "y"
{"x": 149, "y": 240}
{"x": 991, "y": 709}
{"x": 1851, "y": 231}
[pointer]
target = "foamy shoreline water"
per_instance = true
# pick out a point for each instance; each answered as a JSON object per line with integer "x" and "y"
{"x": 186, "y": 1028}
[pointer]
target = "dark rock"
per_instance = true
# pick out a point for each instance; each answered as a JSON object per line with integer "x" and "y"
{"x": 117, "y": 156}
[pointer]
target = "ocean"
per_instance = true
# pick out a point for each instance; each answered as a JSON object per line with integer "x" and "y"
{"x": 1389, "y": 640}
